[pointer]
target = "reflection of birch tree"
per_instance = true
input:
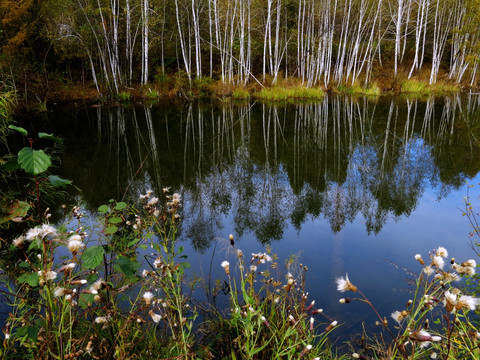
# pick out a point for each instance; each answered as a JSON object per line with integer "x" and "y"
{"x": 260, "y": 166}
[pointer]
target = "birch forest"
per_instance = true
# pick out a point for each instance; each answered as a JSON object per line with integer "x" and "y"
{"x": 115, "y": 44}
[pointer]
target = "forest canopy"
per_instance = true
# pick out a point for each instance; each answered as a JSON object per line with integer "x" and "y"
{"x": 117, "y": 43}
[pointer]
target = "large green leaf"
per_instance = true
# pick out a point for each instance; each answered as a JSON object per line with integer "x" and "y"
{"x": 32, "y": 161}
{"x": 58, "y": 181}
{"x": 18, "y": 129}
{"x": 93, "y": 257}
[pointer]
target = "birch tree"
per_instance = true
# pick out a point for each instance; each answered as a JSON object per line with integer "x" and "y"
{"x": 421, "y": 23}
{"x": 443, "y": 21}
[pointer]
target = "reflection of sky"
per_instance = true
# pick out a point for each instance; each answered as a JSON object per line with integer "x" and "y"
{"x": 219, "y": 183}
{"x": 366, "y": 258}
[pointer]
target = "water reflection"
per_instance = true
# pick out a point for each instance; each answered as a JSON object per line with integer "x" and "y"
{"x": 265, "y": 166}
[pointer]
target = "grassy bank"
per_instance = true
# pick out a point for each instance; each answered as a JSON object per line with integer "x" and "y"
{"x": 424, "y": 88}
{"x": 177, "y": 86}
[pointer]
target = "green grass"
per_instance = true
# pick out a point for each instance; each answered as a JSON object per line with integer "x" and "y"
{"x": 372, "y": 90}
{"x": 444, "y": 88}
{"x": 7, "y": 107}
{"x": 282, "y": 94}
{"x": 415, "y": 86}
{"x": 152, "y": 94}
{"x": 124, "y": 96}
{"x": 241, "y": 94}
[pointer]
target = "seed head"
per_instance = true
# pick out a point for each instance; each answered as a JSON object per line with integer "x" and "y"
{"x": 442, "y": 252}
{"x": 148, "y": 297}
{"x": 418, "y": 257}
{"x": 18, "y": 241}
{"x": 155, "y": 317}
{"x": 226, "y": 266}
{"x": 438, "y": 262}
{"x": 345, "y": 284}
{"x": 75, "y": 244}
{"x": 470, "y": 263}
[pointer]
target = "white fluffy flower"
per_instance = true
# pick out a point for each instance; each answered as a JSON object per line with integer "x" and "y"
{"x": 398, "y": 316}
{"x": 428, "y": 270}
{"x": 46, "y": 276}
{"x": 100, "y": 320}
{"x": 97, "y": 285}
{"x": 59, "y": 291}
{"x": 226, "y": 266}
{"x": 344, "y": 284}
{"x": 18, "y": 241}
{"x": 75, "y": 245}
{"x": 155, "y": 317}
{"x": 47, "y": 230}
{"x": 470, "y": 263}
{"x": 438, "y": 262}
{"x": 153, "y": 201}
{"x": 33, "y": 234}
{"x": 467, "y": 302}
{"x": 148, "y": 297}
{"x": 441, "y": 251}
{"x": 418, "y": 257}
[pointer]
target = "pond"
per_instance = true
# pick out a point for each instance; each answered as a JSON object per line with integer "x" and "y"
{"x": 350, "y": 184}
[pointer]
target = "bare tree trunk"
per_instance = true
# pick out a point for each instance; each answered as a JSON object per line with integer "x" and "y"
{"x": 186, "y": 59}
{"x": 196, "y": 29}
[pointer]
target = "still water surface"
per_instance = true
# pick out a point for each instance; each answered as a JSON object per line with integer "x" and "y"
{"x": 348, "y": 184}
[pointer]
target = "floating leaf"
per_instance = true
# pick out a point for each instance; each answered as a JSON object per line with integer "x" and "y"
{"x": 58, "y": 181}
{"x": 120, "y": 206}
{"x": 111, "y": 229}
{"x": 103, "y": 209}
{"x": 30, "y": 279}
{"x": 93, "y": 257}
{"x": 42, "y": 135}
{"x": 32, "y": 161}
{"x": 115, "y": 220}
{"x": 126, "y": 266}
{"x": 18, "y": 129}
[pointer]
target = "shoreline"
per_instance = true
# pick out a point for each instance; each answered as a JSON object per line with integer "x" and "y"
{"x": 292, "y": 89}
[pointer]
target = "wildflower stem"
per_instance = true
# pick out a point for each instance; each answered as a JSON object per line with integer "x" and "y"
{"x": 366, "y": 300}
